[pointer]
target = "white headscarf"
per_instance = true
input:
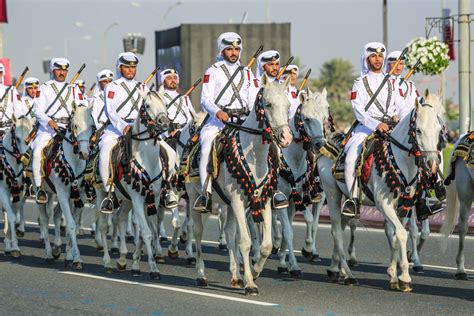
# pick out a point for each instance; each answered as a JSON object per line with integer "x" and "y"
{"x": 58, "y": 63}
{"x": 30, "y": 82}
{"x": 228, "y": 39}
{"x": 264, "y": 58}
{"x": 292, "y": 68}
{"x": 391, "y": 58}
{"x": 166, "y": 73}
{"x": 127, "y": 59}
{"x": 104, "y": 74}
{"x": 369, "y": 49}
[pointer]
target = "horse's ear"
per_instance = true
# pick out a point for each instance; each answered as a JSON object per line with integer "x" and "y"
{"x": 324, "y": 93}
{"x": 264, "y": 80}
{"x": 142, "y": 94}
{"x": 303, "y": 95}
{"x": 427, "y": 93}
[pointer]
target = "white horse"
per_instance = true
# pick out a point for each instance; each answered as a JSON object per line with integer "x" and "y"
{"x": 297, "y": 176}
{"x": 423, "y": 126}
{"x": 11, "y": 184}
{"x": 269, "y": 118}
{"x": 147, "y": 176}
{"x": 460, "y": 196}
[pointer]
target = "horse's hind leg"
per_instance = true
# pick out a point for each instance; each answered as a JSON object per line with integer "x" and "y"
{"x": 222, "y": 222}
{"x": 11, "y": 231}
{"x": 277, "y": 233}
{"x": 413, "y": 234}
{"x": 231, "y": 234}
{"x": 352, "y": 253}
{"x": 425, "y": 232}
{"x": 394, "y": 251}
{"x": 464, "y": 208}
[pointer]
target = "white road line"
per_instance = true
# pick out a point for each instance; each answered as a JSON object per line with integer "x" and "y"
{"x": 173, "y": 289}
{"x": 211, "y": 242}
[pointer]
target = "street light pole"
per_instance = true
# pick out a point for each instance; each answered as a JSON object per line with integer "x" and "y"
{"x": 104, "y": 42}
{"x": 464, "y": 23}
{"x": 164, "y": 16}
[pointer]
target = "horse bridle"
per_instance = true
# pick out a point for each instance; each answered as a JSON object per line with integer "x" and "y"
{"x": 154, "y": 127}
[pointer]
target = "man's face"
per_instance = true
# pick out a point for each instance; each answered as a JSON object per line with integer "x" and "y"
{"x": 399, "y": 69}
{"x": 231, "y": 54}
{"x": 375, "y": 62}
{"x": 171, "y": 82}
{"x": 103, "y": 83}
{"x": 293, "y": 78}
{"x": 128, "y": 72}
{"x": 272, "y": 68}
{"x": 59, "y": 74}
{"x": 1, "y": 76}
{"x": 31, "y": 91}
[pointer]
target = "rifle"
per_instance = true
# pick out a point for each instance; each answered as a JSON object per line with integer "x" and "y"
{"x": 412, "y": 70}
{"x": 303, "y": 83}
{"x": 18, "y": 83}
{"x": 89, "y": 93}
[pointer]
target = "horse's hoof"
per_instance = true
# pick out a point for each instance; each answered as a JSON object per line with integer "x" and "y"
{"x": 297, "y": 274}
{"x": 405, "y": 286}
{"x": 418, "y": 269}
{"x": 394, "y": 286}
{"x": 159, "y": 259}
{"x": 282, "y": 270}
{"x": 353, "y": 263}
{"x": 20, "y": 233}
{"x": 315, "y": 258}
{"x": 16, "y": 254}
{"x": 77, "y": 266}
{"x": 182, "y": 239}
{"x": 255, "y": 275}
{"x": 191, "y": 261}
{"x": 201, "y": 282}
{"x": 155, "y": 276}
{"x": 274, "y": 252}
{"x": 223, "y": 247}
{"x": 333, "y": 276}
{"x": 8, "y": 253}
{"x": 130, "y": 238}
{"x": 251, "y": 291}
{"x": 50, "y": 261}
{"x": 121, "y": 267}
{"x": 350, "y": 281}
{"x": 99, "y": 249}
{"x": 308, "y": 255}
{"x": 67, "y": 263}
{"x": 461, "y": 276}
{"x": 109, "y": 270}
{"x": 114, "y": 251}
{"x": 56, "y": 252}
{"x": 237, "y": 284}
{"x": 173, "y": 255}
{"x": 136, "y": 273}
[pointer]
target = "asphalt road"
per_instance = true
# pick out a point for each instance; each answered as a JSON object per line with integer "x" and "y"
{"x": 30, "y": 286}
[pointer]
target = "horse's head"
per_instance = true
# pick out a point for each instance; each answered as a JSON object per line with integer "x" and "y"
{"x": 314, "y": 116}
{"x": 82, "y": 128}
{"x": 276, "y": 107}
{"x": 23, "y": 128}
{"x": 426, "y": 124}
{"x": 153, "y": 113}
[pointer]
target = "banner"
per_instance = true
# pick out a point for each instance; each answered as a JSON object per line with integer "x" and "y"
{"x": 3, "y": 11}
{"x": 7, "y": 77}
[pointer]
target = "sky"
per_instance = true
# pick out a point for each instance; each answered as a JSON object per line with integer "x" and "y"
{"x": 320, "y": 29}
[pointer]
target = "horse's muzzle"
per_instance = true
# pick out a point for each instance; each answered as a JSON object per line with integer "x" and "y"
{"x": 163, "y": 122}
{"x": 318, "y": 142}
{"x": 432, "y": 161}
{"x": 285, "y": 137}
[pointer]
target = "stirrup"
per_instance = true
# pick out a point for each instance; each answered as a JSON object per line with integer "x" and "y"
{"x": 107, "y": 205}
{"x": 43, "y": 197}
{"x": 170, "y": 201}
{"x": 203, "y": 203}
{"x": 350, "y": 208}
{"x": 279, "y": 200}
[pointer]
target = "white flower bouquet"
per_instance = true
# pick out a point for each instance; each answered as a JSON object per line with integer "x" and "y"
{"x": 432, "y": 53}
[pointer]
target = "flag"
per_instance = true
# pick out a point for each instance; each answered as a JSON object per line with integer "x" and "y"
{"x": 3, "y": 11}
{"x": 448, "y": 33}
{"x": 7, "y": 76}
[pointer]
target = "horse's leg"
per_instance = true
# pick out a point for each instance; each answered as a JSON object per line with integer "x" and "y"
{"x": 64, "y": 201}
{"x": 394, "y": 254}
{"x": 189, "y": 229}
{"x": 352, "y": 253}
{"x": 277, "y": 233}
{"x": 254, "y": 231}
{"x": 230, "y": 230}
{"x": 176, "y": 223}
{"x": 295, "y": 270}
{"x": 266, "y": 247}
{"x": 6, "y": 230}
{"x": 425, "y": 232}
{"x": 465, "y": 202}
{"x": 222, "y": 222}
{"x": 44, "y": 222}
{"x": 154, "y": 225}
{"x": 122, "y": 218}
{"x": 198, "y": 229}
{"x": 413, "y": 234}
{"x": 20, "y": 218}
{"x": 286, "y": 228}
{"x": 54, "y": 211}
{"x": 11, "y": 231}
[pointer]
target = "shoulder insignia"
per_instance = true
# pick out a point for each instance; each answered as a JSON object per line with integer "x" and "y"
{"x": 110, "y": 95}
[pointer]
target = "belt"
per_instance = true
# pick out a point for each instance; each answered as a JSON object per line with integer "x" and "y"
{"x": 387, "y": 120}
{"x": 236, "y": 112}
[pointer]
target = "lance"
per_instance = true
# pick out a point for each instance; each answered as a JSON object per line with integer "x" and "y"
{"x": 89, "y": 93}
{"x": 410, "y": 73}
{"x": 385, "y": 79}
{"x": 303, "y": 83}
{"x": 18, "y": 83}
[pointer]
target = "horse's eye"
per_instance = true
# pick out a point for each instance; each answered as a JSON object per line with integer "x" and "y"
{"x": 306, "y": 119}
{"x": 418, "y": 131}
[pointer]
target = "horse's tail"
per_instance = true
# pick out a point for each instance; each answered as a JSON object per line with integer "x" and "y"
{"x": 452, "y": 207}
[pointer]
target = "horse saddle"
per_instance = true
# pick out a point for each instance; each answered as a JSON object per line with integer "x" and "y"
{"x": 50, "y": 152}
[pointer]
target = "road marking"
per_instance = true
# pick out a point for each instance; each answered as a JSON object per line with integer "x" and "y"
{"x": 211, "y": 242}
{"x": 170, "y": 288}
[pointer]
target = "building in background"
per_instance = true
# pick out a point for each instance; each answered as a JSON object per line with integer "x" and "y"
{"x": 191, "y": 48}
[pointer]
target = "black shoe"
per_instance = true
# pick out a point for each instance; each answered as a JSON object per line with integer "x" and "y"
{"x": 279, "y": 200}
{"x": 350, "y": 208}
{"x": 170, "y": 200}
{"x": 107, "y": 205}
{"x": 203, "y": 204}
{"x": 41, "y": 197}
{"x": 436, "y": 207}
{"x": 422, "y": 210}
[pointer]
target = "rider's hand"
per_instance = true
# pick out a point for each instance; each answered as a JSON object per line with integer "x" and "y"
{"x": 222, "y": 116}
{"x": 126, "y": 129}
{"x": 53, "y": 125}
{"x": 396, "y": 118}
{"x": 382, "y": 127}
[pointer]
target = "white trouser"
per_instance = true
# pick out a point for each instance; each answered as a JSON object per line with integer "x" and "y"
{"x": 208, "y": 134}
{"x": 108, "y": 140}
{"x": 353, "y": 150}
{"x": 39, "y": 143}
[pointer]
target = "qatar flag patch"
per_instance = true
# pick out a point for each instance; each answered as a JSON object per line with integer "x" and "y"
{"x": 255, "y": 82}
{"x": 18, "y": 97}
{"x": 110, "y": 95}
{"x": 293, "y": 94}
{"x": 206, "y": 78}
{"x": 401, "y": 92}
{"x": 353, "y": 95}
{"x": 80, "y": 96}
